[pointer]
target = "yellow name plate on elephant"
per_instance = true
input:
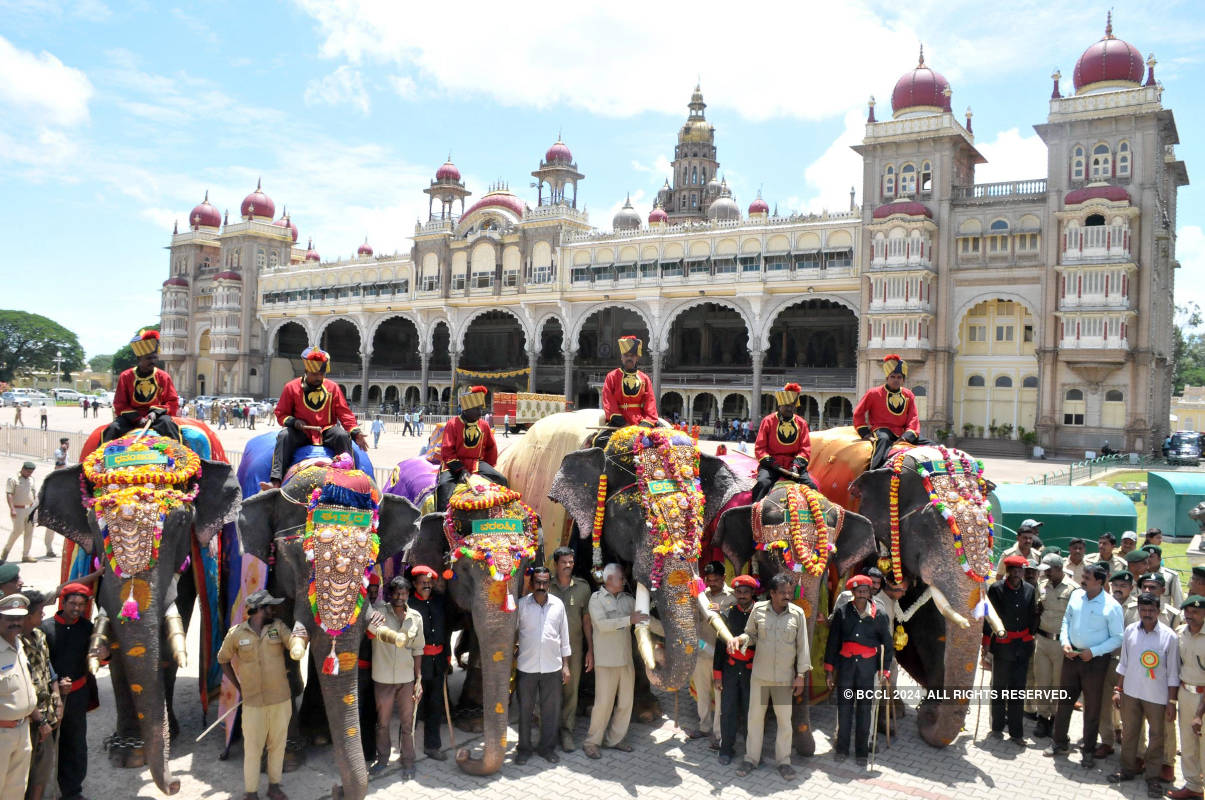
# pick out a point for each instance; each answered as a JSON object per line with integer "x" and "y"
{"x": 137, "y": 458}
{"x": 499, "y": 525}
{"x": 342, "y": 517}
{"x": 662, "y": 487}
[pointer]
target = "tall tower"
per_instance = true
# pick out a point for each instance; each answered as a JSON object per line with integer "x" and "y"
{"x": 694, "y": 165}
{"x": 447, "y": 188}
{"x": 559, "y": 171}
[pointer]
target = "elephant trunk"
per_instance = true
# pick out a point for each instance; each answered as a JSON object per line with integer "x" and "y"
{"x": 679, "y": 619}
{"x": 340, "y": 698}
{"x": 496, "y": 639}
{"x": 940, "y": 721}
{"x": 140, "y": 661}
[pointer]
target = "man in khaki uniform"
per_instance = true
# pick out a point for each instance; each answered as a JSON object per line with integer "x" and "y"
{"x": 612, "y": 614}
{"x": 1073, "y": 565}
{"x": 397, "y": 656}
{"x": 1053, "y": 593}
{"x": 1121, "y": 586}
{"x": 778, "y": 629}
{"x": 260, "y": 645}
{"x": 719, "y": 600}
{"x": 1107, "y": 554}
{"x": 574, "y": 594}
{"x": 1192, "y": 691}
{"x": 1024, "y": 546}
{"x": 1170, "y": 616}
{"x": 21, "y": 497}
{"x": 18, "y": 700}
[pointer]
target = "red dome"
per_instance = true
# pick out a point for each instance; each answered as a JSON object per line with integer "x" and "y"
{"x": 759, "y": 206}
{"x": 558, "y": 153}
{"x": 658, "y": 215}
{"x": 177, "y": 281}
{"x": 1108, "y": 60}
{"x": 310, "y": 253}
{"x": 920, "y": 88}
{"x": 909, "y": 208}
{"x": 286, "y": 222}
{"x": 204, "y": 215}
{"x": 257, "y": 204}
{"x": 228, "y": 276}
{"x": 502, "y": 199}
{"x": 365, "y": 249}
{"x": 1111, "y": 193}
{"x": 447, "y": 172}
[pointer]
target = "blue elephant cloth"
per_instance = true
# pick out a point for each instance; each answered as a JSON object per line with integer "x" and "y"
{"x": 256, "y": 462}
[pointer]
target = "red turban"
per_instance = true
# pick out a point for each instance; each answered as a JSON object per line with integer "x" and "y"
{"x": 1016, "y": 561}
{"x": 858, "y": 580}
{"x": 422, "y": 569}
{"x": 75, "y": 588}
{"x": 746, "y": 580}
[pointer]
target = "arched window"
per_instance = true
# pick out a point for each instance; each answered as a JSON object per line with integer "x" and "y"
{"x": 1073, "y": 407}
{"x": 1029, "y": 382}
{"x": 997, "y": 239}
{"x": 1102, "y": 162}
{"x": 1114, "y": 396}
{"x": 1004, "y": 382}
{"x": 1113, "y": 410}
{"x": 975, "y": 380}
{"x": 889, "y": 182}
{"x": 1077, "y": 163}
{"x": 1094, "y": 221}
{"x": 926, "y": 177}
{"x": 694, "y": 174}
{"x": 908, "y": 180}
{"x": 1123, "y": 160}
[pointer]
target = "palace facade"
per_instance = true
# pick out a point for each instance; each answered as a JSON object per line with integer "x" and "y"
{"x": 1041, "y": 305}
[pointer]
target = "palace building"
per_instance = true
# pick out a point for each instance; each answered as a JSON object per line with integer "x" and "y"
{"x": 1040, "y": 305}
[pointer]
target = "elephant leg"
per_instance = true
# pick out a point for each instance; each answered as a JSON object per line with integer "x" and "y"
{"x": 645, "y": 706}
{"x": 124, "y": 746}
{"x": 186, "y": 597}
{"x": 312, "y": 714}
{"x": 469, "y": 707}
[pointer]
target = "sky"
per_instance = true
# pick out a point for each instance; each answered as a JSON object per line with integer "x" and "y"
{"x": 116, "y": 118}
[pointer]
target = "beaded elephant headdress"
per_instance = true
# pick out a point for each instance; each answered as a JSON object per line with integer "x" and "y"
{"x": 802, "y": 539}
{"x": 132, "y": 484}
{"x": 491, "y": 525}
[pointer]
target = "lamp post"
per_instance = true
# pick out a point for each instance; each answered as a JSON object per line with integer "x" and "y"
{"x": 58, "y": 366}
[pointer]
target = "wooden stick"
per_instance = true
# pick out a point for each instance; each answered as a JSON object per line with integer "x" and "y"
{"x": 145, "y": 428}
{"x": 448, "y": 712}
{"x": 219, "y": 720}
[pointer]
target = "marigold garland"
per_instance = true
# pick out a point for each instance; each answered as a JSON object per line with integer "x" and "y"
{"x": 600, "y": 513}
{"x": 798, "y": 556}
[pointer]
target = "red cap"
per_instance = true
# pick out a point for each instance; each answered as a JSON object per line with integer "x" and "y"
{"x": 75, "y": 588}
{"x": 858, "y": 580}
{"x": 746, "y": 580}
{"x": 374, "y": 579}
{"x": 422, "y": 569}
{"x": 1016, "y": 561}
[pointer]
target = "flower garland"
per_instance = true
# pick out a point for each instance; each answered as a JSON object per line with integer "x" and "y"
{"x": 794, "y": 548}
{"x": 509, "y": 548}
{"x": 673, "y": 516}
{"x": 600, "y": 512}
{"x": 893, "y": 511}
{"x": 135, "y": 481}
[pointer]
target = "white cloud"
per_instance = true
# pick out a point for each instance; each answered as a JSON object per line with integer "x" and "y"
{"x": 403, "y": 86}
{"x": 196, "y": 26}
{"x": 661, "y": 167}
{"x": 1190, "y": 278}
{"x": 344, "y": 85}
{"x": 1011, "y": 157}
{"x": 41, "y": 88}
{"x": 830, "y": 177}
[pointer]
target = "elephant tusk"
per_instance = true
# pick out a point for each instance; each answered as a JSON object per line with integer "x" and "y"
{"x": 644, "y": 639}
{"x": 298, "y": 642}
{"x": 994, "y": 620}
{"x": 398, "y": 639}
{"x": 644, "y": 601}
{"x": 99, "y": 641}
{"x": 721, "y": 630}
{"x": 947, "y": 610}
{"x": 175, "y": 636}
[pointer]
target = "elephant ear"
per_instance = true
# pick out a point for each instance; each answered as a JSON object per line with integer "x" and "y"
{"x": 61, "y": 506}
{"x": 429, "y": 547}
{"x": 719, "y": 484}
{"x": 218, "y": 501}
{"x": 576, "y": 486}
{"x": 396, "y": 525}
{"x": 257, "y": 523}
{"x": 734, "y": 535}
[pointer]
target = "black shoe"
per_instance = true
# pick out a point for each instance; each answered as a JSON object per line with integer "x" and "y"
{"x": 1019, "y": 741}
{"x": 435, "y": 753}
{"x": 839, "y": 756}
{"x": 378, "y": 768}
{"x": 549, "y": 756}
{"x": 861, "y": 761}
{"x": 1089, "y": 761}
{"x": 996, "y": 735}
{"x": 725, "y": 759}
{"x": 521, "y": 756}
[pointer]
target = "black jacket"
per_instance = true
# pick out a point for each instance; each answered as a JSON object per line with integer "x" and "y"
{"x": 1018, "y": 610}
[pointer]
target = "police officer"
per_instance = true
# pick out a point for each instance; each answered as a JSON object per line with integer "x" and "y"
{"x": 18, "y": 700}
{"x": 574, "y": 593}
{"x": 1053, "y": 593}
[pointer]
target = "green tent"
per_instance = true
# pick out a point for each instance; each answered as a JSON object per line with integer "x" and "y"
{"x": 1169, "y": 498}
{"x": 1064, "y": 511}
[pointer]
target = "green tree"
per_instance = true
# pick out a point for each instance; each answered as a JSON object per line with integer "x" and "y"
{"x": 124, "y": 358}
{"x": 101, "y": 363}
{"x": 1189, "y": 348}
{"x": 32, "y": 342}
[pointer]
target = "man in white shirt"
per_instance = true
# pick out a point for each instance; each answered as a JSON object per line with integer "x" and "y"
{"x": 543, "y": 666}
{"x": 1148, "y": 680}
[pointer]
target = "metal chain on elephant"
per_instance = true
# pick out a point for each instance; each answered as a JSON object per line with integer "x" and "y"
{"x": 123, "y": 742}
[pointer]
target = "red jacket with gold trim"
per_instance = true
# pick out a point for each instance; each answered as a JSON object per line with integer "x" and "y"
{"x": 468, "y": 443}
{"x": 321, "y": 406}
{"x": 783, "y": 441}
{"x": 882, "y": 408}
{"x": 138, "y": 395}
{"x": 630, "y": 396}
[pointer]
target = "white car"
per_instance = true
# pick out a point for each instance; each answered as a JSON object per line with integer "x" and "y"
{"x": 67, "y": 394}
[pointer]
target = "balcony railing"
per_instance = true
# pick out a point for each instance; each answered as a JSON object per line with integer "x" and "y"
{"x": 1094, "y": 343}
{"x": 1096, "y": 244}
{"x": 1005, "y": 190}
{"x": 1114, "y": 300}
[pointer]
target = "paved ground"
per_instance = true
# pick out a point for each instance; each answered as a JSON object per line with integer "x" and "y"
{"x": 664, "y": 761}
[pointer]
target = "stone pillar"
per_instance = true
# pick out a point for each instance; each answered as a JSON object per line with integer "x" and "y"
{"x": 755, "y": 406}
{"x": 656, "y": 356}
{"x": 455, "y": 354}
{"x": 265, "y": 383}
{"x": 820, "y": 401}
{"x": 424, "y": 379}
{"x": 568, "y": 354}
{"x": 365, "y": 357}
{"x": 532, "y": 358}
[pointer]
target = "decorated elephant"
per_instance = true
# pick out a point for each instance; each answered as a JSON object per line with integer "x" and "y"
{"x": 489, "y": 536}
{"x": 929, "y": 509}
{"x": 138, "y": 503}
{"x": 796, "y": 530}
{"x": 327, "y": 526}
{"x": 646, "y": 501}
